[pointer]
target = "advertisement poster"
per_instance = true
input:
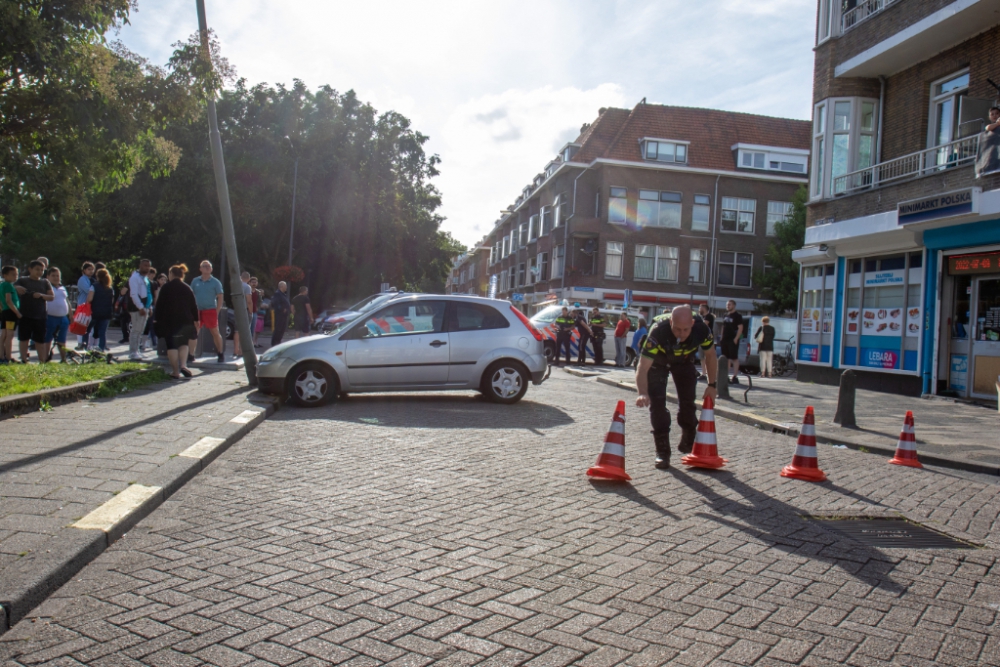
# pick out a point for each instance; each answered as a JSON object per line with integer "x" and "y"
{"x": 852, "y": 320}
{"x": 914, "y": 321}
{"x": 958, "y": 378}
{"x": 828, "y": 320}
{"x": 877, "y": 358}
{"x": 882, "y": 321}
{"x": 808, "y": 352}
{"x": 810, "y": 320}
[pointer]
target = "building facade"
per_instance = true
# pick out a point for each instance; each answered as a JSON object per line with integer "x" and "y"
{"x": 900, "y": 274}
{"x": 468, "y": 273}
{"x": 659, "y": 205}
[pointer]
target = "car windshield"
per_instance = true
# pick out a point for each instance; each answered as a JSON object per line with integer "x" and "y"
{"x": 548, "y": 315}
{"x": 371, "y": 302}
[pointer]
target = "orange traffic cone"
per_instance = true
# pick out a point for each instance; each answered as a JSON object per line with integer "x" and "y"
{"x": 805, "y": 465}
{"x": 906, "y": 449}
{"x": 705, "y": 453}
{"x": 611, "y": 463}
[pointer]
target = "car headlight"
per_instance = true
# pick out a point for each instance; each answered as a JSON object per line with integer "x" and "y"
{"x": 268, "y": 355}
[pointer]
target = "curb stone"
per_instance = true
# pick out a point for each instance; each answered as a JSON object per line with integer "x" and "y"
{"x": 824, "y": 436}
{"x": 71, "y": 549}
{"x": 21, "y": 404}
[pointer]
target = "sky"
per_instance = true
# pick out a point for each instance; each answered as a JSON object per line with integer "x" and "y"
{"x": 499, "y": 87}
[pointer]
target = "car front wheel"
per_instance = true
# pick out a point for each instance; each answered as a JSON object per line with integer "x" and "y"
{"x": 505, "y": 382}
{"x": 312, "y": 385}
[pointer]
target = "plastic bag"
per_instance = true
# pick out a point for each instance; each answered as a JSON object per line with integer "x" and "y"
{"x": 81, "y": 319}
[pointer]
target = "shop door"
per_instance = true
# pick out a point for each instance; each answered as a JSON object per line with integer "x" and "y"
{"x": 985, "y": 337}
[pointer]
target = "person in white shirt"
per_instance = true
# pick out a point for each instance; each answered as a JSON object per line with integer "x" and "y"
{"x": 137, "y": 307}
{"x": 56, "y": 315}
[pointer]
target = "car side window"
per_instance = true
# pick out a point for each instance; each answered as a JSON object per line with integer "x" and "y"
{"x": 476, "y": 317}
{"x": 407, "y": 317}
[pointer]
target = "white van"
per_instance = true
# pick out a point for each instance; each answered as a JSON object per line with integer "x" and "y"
{"x": 784, "y": 333}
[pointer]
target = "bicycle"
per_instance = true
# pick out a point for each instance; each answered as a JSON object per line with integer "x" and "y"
{"x": 89, "y": 357}
{"x": 784, "y": 364}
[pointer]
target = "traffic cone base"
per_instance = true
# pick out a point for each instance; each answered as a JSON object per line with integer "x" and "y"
{"x": 805, "y": 465}
{"x": 906, "y": 449}
{"x": 611, "y": 462}
{"x": 705, "y": 453}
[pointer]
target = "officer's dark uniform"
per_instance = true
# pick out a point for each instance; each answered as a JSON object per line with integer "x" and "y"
{"x": 674, "y": 358}
{"x": 581, "y": 327}
{"x": 564, "y": 335}
{"x": 597, "y": 324}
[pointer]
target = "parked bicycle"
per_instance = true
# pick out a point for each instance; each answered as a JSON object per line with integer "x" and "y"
{"x": 784, "y": 364}
{"x": 89, "y": 357}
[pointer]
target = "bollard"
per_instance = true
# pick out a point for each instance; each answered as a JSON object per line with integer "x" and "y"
{"x": 205, "y": 344}
{"x": 722, "y": 378}
{"x": 845, "y": 401}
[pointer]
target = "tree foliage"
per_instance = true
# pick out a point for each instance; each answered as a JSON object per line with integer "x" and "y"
{"x": 103, "y": 155}
{"x": 780, "y": 283}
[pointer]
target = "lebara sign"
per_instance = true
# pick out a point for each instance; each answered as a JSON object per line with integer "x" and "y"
{"x": 876, "y": 358}
{"x": 946, "y": 205}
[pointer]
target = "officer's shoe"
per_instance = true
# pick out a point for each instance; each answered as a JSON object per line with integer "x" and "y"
{"x": 687, "y": 441}
{"x": 662, "y": 452}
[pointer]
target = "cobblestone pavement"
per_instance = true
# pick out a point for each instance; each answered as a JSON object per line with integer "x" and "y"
{"x": 57, "y": 466}
{"x": 410, "y": 530}
{"x": 880, "y": 415}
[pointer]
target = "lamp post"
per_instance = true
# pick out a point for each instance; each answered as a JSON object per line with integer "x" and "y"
{"x": 295, "y": 185}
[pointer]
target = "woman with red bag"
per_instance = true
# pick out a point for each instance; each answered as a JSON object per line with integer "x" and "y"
{"x": 101, "y": 299}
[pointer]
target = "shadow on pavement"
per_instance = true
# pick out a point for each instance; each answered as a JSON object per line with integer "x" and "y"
{"x": 433, "y": 411}
{"x": 628, "y": 491}
{"x": 778, "y": 523}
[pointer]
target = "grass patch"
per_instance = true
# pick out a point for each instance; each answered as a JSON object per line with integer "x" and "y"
{"x": 27, "y": 378}
{"x": 113, "y": 388}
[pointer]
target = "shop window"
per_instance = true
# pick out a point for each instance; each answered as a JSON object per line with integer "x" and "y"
{"x": 916, "y": 260}
{"x": 856, "y": 266}
{"x": 816, "y": 313}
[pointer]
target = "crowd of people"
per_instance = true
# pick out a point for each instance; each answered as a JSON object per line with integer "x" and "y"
{"x": 36, "y": 310}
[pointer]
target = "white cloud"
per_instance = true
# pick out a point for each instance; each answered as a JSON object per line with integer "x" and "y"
{"x": 534, "y": 71}
{"x": 494, "y": 145}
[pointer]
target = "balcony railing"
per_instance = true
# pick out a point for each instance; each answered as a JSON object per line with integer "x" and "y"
{"x": 915, "y": 165}
{"x": 862, "y": 12}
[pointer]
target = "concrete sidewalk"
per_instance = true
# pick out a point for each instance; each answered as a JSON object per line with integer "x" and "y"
{"x": 955, "y": 430}
{"x": 117, "y": 457}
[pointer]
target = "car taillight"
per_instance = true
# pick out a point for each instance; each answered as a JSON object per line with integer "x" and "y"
{"x": 526, "y": 322}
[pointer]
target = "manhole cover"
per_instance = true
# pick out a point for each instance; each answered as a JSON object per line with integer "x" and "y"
{"x": 892, "y": 534}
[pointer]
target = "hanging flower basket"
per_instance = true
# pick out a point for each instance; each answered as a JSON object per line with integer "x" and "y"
{"x": 289, "y": 274}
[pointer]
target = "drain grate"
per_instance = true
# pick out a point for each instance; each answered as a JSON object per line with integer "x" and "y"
{"x": 892, "y": 533}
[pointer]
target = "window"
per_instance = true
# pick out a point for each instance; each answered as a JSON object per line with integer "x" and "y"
{"x": 558, "y": 257}
{"x": 546, "y": 216}
{"x": 655, "y": 263}
{"x": 533, "y": 227}
{"x": 405, "y": 318}
{"x": 475, "y": 317}
{"x": 461, "y": 278}
{"x": 738, "y": 214}
{"x": 523, "y": 234}
{"x": 753, "y": 160}
{"x": 532, "y": 271}
{"x": 513, "y": 240}
{"x": 472, "y": 271}
{"x": 945, "y": 101}
{"x": 613, "y": 260}
{"x": 658, "y": 209}
{"x": 543, "y": 266}
{"x": 827, "y": 19}
{"x": 618, "y": 206}
{"x": 696, "y": 269}
{"x": 520, "y": 275}
{"x": 512, "y": 278}
{"x": 777, "y": 211}
{"x": 557, "y": 211}
{"x": 665, "y": 151}
{"x": 506, "y": 246}
{"x": 701, "y": 214}
{"x": 844, "y": 131}
{"x": 735, "y": 268}
{"x": 819, "y": 129}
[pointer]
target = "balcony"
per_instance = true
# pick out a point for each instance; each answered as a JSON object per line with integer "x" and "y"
{"x": 861, "y": 13}
{"x": 915, "y": 165}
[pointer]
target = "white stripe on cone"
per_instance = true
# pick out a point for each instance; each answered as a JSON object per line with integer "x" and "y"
{"x": 617, "y": 427}
{"x": 807, "y": 451}
{"x": 614, "y": 449}
{"x": 708, "y": 415}
{"x": 908, "y": 445}
{"x": 808, "y": 429}
{"x": 703, "y": 438}
{"x": 908, "y": 429}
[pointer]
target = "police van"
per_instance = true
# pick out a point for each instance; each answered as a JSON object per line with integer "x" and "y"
{"x": 545, "y": 321}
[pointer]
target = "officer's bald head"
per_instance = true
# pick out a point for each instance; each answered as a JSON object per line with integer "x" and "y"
{"x": 681, "y": 321}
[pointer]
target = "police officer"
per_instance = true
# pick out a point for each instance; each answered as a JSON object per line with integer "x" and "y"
{"x": 670, "y": 350}
{"x": 564, "y": 335}
{"x": 597, "y": 324}
{"x": 585, "y": 334}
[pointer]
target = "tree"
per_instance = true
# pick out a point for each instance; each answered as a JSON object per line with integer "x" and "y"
{"x": 780, "y": 283}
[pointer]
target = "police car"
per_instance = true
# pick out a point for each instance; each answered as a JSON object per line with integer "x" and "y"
{"x": 545, "y": 321}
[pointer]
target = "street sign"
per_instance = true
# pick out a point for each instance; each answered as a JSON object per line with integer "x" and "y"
{"x": 517, "y": 297}
{"x": 628, "y": 297}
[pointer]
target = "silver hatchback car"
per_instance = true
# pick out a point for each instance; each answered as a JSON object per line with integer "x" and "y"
{"x": 419, "y": 342}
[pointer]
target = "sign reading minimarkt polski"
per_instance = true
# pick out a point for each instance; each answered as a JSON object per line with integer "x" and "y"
{"x": 945, "y": 205}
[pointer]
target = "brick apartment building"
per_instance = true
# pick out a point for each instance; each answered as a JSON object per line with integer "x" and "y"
{"x": 675, "y": 204}
{"x": 468, "y": 273}
{"x": 900, "y": 277}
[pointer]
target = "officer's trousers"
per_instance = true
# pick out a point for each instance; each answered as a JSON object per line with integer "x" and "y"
{"x": 686, "y": 383}
{"x": 598, "y": 339}
{"x": 582, "y": 352}
{"x": 562, "y": 345}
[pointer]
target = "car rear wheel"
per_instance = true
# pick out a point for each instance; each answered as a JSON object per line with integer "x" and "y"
{"x": 629, "y": 356}
{"x": 505, "y": 382}
{"x": 550, "y": 351}
{"x": 312, "y": 385}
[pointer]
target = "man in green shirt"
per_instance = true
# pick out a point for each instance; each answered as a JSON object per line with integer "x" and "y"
{"x": 10, "y": 312}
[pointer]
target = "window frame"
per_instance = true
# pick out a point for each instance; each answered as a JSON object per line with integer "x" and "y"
{"x": 703, "y": 263}
{"x": 769, "y": 229}
{"x": 825, "y": 133}
{"x": 451, "y": 316}
{"x": 620, "y": 254}
{"x": 646, "y": 142}
{"x": 660, "y": 255}
{"x": 362, "y": 331}
{"x": 611, "y": 198}
{"x": 734, "y": 264}
{"x": 559, "y": 261}
{"x": 697, "y": 206}
{"x": 740, "y": 211}
{"x": 936, "y": 99}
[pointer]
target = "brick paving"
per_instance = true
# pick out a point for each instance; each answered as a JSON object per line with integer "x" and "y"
{"x": 419, "y": 529}
{"x": 955, "y": 429}
{"x": 57, "y": 466}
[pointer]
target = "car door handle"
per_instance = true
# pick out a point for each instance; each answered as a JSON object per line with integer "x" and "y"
{"x": 438, "y": 343}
